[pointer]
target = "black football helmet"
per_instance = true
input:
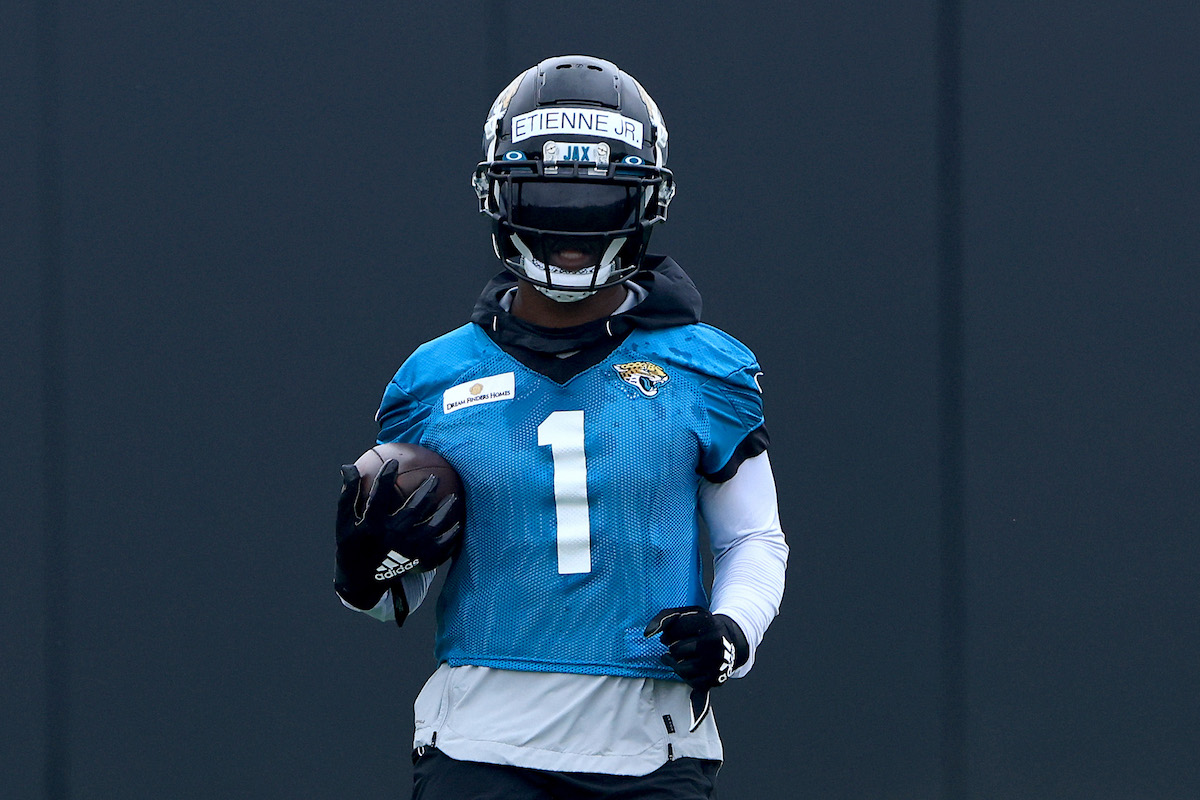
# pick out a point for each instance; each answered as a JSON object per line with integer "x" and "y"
{"x": 575, "y": 155}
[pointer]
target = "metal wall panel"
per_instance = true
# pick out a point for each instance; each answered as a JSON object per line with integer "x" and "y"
{"x": 266, "y": 207}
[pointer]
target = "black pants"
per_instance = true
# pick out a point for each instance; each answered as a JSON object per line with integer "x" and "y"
{"x": 438, "y": 777}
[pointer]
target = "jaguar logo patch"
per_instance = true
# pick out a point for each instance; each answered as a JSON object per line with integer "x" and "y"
{"x": 644, "y": 376}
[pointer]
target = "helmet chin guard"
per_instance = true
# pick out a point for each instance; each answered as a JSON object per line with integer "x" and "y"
{"x": 574, "y": 161}
{"x": 564, "y": 285}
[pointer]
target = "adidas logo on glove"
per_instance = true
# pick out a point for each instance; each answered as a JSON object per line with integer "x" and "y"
{"x": 395, "y": 565}
{"x": 727, "y": 660}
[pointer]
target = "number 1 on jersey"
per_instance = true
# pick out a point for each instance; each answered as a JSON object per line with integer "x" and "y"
{"x": 562, "y": 431}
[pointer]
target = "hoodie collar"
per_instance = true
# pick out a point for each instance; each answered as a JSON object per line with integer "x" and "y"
{"x": 671, "y": 300}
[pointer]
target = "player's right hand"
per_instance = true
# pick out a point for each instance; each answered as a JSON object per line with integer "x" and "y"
{"x": 418, "y": 528}
{"x": 384, "y": 536}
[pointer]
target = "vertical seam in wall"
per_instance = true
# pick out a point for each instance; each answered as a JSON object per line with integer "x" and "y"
{"x": 950, "y": 400}
{"x": 56, "y": 578}
{"x": 496, "y": 44}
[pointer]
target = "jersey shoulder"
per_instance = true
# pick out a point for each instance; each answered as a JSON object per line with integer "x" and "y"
{"x": 704, "y": 350}
{"x": 418, "y": 385}
{"x": 439, "y": 362}
{"x": 724, "y": 375}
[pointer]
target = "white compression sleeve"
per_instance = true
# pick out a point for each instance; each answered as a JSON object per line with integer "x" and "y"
{"x": 749, "y": 550}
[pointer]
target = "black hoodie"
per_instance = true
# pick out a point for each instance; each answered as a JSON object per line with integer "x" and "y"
{"x": 672, "y": 300}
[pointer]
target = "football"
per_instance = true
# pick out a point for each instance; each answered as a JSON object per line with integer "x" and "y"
{"x": 416, "y": 464}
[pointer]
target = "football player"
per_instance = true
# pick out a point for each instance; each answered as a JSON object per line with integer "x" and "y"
{"x": 596, "y": 423}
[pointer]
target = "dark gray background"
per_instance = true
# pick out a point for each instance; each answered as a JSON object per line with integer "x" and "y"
{"x": 265, "y": 207}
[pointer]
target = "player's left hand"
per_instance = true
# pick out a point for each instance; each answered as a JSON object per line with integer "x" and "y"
{"x": 703, "y": 648}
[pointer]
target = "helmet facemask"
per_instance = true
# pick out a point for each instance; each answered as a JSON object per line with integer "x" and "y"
{"x": 599, "y": 223}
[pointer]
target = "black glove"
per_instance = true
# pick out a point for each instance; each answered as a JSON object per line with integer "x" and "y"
{"x": 386, "y": 536}
{"x": 703, "y": 648}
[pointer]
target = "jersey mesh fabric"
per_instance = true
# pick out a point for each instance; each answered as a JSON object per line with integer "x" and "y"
{"x": 510, "y": 600}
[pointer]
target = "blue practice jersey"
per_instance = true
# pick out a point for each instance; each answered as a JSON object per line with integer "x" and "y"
{"x": 581, "y": 498}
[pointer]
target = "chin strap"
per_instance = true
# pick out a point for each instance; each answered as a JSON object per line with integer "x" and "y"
{"x": 562, "y": 295}
{"x": 560, "y": 289}
{"x": 530, "y": 267}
